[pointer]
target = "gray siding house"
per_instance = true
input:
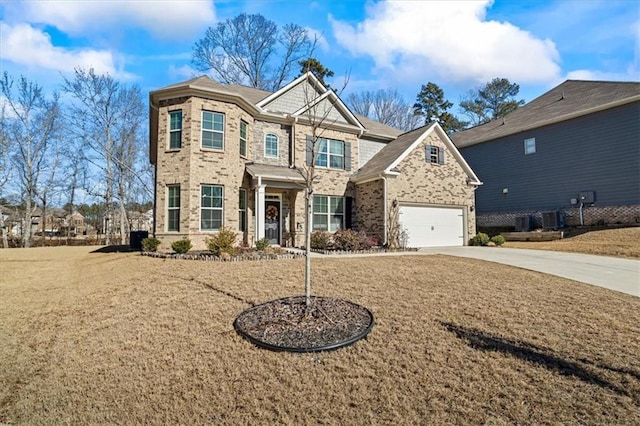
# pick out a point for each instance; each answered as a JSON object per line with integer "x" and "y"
{"x": 570, "y": 156}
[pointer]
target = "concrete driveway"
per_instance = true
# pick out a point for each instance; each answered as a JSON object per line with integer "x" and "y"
{"x": 610, "y": 272}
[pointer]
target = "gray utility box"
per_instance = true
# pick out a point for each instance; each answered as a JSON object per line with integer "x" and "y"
{"x": 524, "y": 223}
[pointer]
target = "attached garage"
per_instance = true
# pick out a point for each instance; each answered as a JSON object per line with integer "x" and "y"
{"x": 433, "y": 226}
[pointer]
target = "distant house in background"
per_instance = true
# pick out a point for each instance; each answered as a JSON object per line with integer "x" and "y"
{"x": 572, "y": 155}
{"x": 57, "y": 222}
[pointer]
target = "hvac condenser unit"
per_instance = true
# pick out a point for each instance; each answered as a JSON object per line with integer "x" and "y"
{"x": 524, "y": 223}
{"x": 552, "y": 220}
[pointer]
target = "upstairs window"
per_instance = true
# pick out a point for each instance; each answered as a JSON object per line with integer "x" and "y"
{"x": 434, "y": 154}
{"x": 175, "y": 129}
{"x": 530, "y": 146}
{"x": 271, "y": 145}
{"x": 173, "y": 204}
{"x": 212, "y": 130}
{"x": 330, "y": 154}
{"x": 243, "y": 138}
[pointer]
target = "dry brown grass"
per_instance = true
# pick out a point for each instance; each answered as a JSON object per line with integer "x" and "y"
{"x": 620, "y": 242}
{"x": 89, "y": 338}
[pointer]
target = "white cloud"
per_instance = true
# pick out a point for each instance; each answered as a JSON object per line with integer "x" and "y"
{"x": 630, "y": 75}
{"x": 164, "y": 19}
{"x": 184, "y": 72}
{"x": 319, "y": 38}
{"x": 451, "y": 40}
{"x": 22, "y": 44}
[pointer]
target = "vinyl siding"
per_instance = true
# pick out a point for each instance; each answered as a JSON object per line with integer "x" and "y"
{"x": 599, "y": 152}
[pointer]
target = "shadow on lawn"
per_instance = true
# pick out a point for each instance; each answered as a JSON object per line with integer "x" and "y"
{"x": 480, "y": 340}
{"x": 217, "y": 290}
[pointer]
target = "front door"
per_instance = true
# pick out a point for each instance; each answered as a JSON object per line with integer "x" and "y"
{"x": 272, "y": 221}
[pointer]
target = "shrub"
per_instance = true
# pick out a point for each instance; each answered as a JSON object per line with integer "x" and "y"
{"x": 262, "y": 244}
{"x": 481, "y": 239}
{"x": 346, "y": 239}
{"x": 320, "y": 240}
{"x": 150, "y": 244}
{"x": 223, "y": 242}
{"x": 181, "y": 246}
{"x": 497, "y": 240}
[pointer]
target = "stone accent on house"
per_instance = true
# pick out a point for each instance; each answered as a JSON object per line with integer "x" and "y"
{"x": 369, "y": 209}
{"x": 440, "y": 185}
{"x": 283, "y": 132}
{"x": 592, "y": 216}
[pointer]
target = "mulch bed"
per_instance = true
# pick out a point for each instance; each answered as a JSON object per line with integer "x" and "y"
{"x": 289, "y": 325}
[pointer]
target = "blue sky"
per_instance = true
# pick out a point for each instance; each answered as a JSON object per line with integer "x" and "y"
{"x": 382, "y": 44}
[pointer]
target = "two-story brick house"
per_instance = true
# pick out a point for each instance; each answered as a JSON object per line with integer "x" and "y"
{"x": 229, "y": 156}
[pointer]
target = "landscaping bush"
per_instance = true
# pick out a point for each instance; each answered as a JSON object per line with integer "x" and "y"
{"x": 262, "y": 244}
{"x": 150, "y": 244}
{"x": 346, "y": 239}
{"x": 181, "y": 246}
{"x": 481, "y": 239}
{"x": 497, "y": 240}
{"x": 223, "y": 242}
{"x": 320, "y": 240}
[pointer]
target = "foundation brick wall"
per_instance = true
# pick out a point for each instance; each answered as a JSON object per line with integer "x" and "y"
{"x": 369, "y": 210}
{"x": 592, "y": 216}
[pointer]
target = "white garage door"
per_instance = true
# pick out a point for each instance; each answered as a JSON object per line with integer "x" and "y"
{"x": 433, "y": 226}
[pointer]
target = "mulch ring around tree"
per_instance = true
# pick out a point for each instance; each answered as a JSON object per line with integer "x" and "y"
{"x": 288, "y": 325}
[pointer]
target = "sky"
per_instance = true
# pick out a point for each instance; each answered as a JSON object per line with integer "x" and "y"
{"x": 378, "y": 44}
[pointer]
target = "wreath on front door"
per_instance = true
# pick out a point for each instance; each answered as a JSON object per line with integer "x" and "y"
{"x": 272, "y": 213}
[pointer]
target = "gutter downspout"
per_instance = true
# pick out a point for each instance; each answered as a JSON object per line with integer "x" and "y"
{"x": 384, "y": 206}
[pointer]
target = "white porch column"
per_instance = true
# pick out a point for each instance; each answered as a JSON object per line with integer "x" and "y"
{"x": 260, "y": 210}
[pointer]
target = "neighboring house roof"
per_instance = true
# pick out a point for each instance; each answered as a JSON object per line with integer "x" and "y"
{"x": 385, "y": 161}
{"x": 571, "y": 99}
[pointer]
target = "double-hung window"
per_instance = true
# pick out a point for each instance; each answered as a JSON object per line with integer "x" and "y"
{"x": 330, "y": 154}
{"x": 243, "y": 138}
{"x": 211, "y": 205}
{"x": 173, "y": 208}
{"x": 529, "y": 146}
{"x": 328, "y": 213}
{"x": 175, "y": 129}
{"x": 271, "y": 145}
{"x": 242, "y": 210}
{"x": 212, "y": 130}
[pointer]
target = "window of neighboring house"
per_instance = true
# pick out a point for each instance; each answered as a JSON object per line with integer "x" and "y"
{"x": 243, "y": 138}
{"x": 175, "y": 129}
{"x": 242, "y": 210}
{"x": 328, "y": 213}
{"x": 271, "y": 145}
{"x": 330, "y": 154}
{"x": 173, "y": 206}
{"x": 530, "y": 146}
{"x": 212, "y": 130}
{"x": 434, "y": 154}
{"x": 211, "y": 202}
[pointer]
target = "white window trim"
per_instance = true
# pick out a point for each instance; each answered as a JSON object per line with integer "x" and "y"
{"x": 211, "y": 208}
{"x": 169, "y": 208}
{"x": 431, "y": 154}
{"x": 277, "y": 145}
{"x": 202, "y": 130}
{"x": 329, "y": 154}
{"x": 171, "y": 131}
{"x": 529, "y": 146}
{"x": 329, "y": 214}
{"x": 246, "y": 139}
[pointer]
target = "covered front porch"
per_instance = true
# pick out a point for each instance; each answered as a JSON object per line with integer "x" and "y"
{"x": 279, "y": 204}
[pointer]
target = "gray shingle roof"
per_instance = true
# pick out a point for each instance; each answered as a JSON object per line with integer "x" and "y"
{"x": 274, "y": 172}
{"x": 571, "y": 99}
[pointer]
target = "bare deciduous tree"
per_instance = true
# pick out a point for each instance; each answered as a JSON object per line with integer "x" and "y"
{"x": 385, "y": 106}
{"x": 107, "y": 117}
{"x": 252, "y": 50}
{"x": 29, "y": 130}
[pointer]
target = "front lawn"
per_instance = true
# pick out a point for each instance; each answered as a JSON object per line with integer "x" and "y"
{"x": 94, "y": 338}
